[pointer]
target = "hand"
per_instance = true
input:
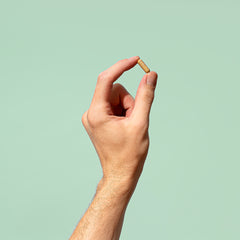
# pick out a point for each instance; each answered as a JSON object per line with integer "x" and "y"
{"x": 118, "y": 125}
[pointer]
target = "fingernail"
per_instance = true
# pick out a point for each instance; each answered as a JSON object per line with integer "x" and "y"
{"x": 151, "y": 80}
{"x": 134, "y": 58}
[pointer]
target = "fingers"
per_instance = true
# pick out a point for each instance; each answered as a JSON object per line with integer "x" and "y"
{"x": 144, "y": 97}
{"x": 121, "y": 101}
{"x": 106, "y": 78}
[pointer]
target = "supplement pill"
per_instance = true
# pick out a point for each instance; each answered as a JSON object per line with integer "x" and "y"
{"x": 143, "y": 66}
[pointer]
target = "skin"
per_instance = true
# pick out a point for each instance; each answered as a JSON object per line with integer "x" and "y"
{"x": 117, "y": 125}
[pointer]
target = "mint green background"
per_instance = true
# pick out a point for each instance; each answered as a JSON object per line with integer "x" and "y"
{"x": 51, "y": 53}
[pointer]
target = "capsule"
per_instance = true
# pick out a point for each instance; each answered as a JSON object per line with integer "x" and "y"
{"x": 143, "y": 66}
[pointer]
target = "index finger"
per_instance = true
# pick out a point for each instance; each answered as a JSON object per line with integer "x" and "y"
{"x": 108, "y": 77}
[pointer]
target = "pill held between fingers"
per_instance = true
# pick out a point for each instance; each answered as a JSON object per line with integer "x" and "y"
{"x": 143, "y": 66}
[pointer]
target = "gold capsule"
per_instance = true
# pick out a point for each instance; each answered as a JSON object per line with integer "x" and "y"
{"x": 143, "y": 66}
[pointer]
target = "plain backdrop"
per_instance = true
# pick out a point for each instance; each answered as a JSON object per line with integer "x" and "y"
{"x": 51, "y": 53}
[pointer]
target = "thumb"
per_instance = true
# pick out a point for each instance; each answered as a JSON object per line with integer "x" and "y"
{"x": 144, "y": 97}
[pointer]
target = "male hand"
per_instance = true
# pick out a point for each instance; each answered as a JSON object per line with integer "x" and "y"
{"x": 117, "y": 124}
{"x": 118, "y": 127}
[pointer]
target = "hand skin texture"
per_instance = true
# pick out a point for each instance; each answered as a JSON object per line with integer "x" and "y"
{"x": 117, "y": 125}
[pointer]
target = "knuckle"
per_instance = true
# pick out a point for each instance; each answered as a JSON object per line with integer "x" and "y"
{"x": 117, "y": 86}
{"x": 93, "y": 119}
{"x": 84, "y": 119}
{"x": 102, "y": 76}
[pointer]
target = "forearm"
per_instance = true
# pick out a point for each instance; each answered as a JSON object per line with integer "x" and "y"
{"x": 104, "y": 217}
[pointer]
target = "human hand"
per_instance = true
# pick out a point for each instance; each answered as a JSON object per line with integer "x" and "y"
{"x": 117, "y": 124}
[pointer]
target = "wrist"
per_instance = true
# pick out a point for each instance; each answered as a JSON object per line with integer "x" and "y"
{"x": 120, "y": 188}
